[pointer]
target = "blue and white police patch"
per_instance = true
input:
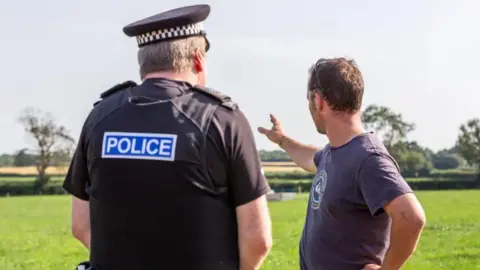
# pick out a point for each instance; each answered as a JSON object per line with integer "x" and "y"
{"x": 150, "y": 146}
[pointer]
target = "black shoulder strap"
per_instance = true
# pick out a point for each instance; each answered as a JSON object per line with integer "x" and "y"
{"x": 225, "y": 100}
{"x": 116, "y": 88}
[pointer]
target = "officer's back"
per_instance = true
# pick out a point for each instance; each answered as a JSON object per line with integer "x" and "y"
{"x": 166, "y": 165}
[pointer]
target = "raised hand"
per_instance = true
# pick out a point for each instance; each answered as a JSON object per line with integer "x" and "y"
{"x": 274, "y": 134}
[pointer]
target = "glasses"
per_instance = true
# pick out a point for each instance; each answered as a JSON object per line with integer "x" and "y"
{"x": 317, "y": 85}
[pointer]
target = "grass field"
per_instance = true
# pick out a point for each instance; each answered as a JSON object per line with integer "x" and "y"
{"x": 35, "y": 233}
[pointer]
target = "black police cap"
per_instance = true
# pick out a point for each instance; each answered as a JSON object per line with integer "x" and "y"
{"x": 173, "y": 24}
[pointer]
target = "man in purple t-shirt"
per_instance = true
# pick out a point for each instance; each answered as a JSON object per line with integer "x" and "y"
{"x": 361, "y": 213}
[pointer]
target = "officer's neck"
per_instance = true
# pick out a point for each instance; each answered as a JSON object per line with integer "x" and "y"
{"x": 170, "y": 75}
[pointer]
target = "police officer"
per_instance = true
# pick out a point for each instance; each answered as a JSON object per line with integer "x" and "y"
{"x": 166, "y": 174}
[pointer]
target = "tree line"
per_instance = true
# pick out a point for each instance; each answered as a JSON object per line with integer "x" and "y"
{"x": 54, "y": 146}
{"x": 413, "y": 159}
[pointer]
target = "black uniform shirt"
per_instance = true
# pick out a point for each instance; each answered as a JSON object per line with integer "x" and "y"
{"x": 120, "y": 190}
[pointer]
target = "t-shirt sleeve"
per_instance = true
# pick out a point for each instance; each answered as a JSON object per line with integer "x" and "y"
{"x": 380, "y": 182}
{"x": 77, "y": 178}
{"x": 245, "y": 179}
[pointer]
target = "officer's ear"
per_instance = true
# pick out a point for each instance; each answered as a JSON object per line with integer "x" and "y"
{"x": 198, "y": 61}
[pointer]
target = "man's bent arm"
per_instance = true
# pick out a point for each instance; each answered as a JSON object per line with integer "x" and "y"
{"x": 75, "y": 183}
{"x": 300, "y": 153}
{"x": 254, "y": 233}
{"x": 408, "y": 220}
{"x": 384, "y": 190}
{"x": 81, "y": 221}
{"x": 247, "y": 185}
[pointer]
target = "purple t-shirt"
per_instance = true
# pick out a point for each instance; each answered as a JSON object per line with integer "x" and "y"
{"x": 346, "y": 226}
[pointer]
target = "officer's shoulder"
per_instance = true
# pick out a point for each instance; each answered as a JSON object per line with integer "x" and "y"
{"x": 225, "y": 100}
{"x": 114, "y": 89}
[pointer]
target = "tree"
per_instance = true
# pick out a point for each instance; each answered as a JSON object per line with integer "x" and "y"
{"x": 446, "y": 161}
{"x": 6, "y": 160}
{"x": 413, "y": 159}
{"x": 275, "y": 155}
{"x": 23, "y": 158}
{"x": 387, "y": 124}
{"x": 450, "y": 158}
{"x": 51, "y": 140}
{"x": 468, "y": 142}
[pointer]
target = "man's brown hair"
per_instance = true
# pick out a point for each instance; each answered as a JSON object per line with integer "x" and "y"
{"x": 339, "y": 82}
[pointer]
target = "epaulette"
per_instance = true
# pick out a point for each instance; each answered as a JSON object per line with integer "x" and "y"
{"x": 225, "y": 100}
{"x": 116, "y": 88}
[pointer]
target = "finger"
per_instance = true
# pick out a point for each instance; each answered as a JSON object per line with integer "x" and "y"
{"x": 274, "y": 120}
{"x": 262, "y": 130}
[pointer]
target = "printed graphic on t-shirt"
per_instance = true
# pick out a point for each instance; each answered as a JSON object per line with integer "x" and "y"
{"x": 318, "y": 188}
{"x": 320, "y": 180}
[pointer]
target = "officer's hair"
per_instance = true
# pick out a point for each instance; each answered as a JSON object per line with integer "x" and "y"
{"x": 339, "y": 82}
{"x": 175, "y": 55}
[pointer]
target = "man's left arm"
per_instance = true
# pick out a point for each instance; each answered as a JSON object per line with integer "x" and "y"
{"x": 385, "y": 190}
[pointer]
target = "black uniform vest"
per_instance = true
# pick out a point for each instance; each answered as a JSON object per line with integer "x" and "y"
{"x": 158, "y": 214}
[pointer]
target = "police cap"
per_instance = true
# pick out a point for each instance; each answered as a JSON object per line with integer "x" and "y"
{"x": 173, "y": 24}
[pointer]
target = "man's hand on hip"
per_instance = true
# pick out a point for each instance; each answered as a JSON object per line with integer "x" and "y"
{"x": 371, "y": 267}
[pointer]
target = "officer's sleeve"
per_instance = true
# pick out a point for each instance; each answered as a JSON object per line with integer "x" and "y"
{"x": 77, "y": 178}
{"x": 245, "y": 178}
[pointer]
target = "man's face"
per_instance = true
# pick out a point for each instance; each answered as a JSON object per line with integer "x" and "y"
{"x": 316, "y": 107}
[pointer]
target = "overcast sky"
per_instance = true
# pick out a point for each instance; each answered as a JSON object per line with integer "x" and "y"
{"x": 418, "y": 57}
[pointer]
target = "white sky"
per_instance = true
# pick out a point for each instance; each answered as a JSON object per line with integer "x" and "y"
{"x": 418, "y": 57}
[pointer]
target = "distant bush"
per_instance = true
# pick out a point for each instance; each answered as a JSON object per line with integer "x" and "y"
{"x": 28, "y": 188}
{"x": 466, "y": 175}
{"x": 304, "y": 186}
{"x": 455, "y": 175}
{"x": 289, "y": 175}
{"x": 446, "y": 161}
{"x": 16, "y": 184}
{"x": 276, "y": 155}
{"x": 27, "y": 175}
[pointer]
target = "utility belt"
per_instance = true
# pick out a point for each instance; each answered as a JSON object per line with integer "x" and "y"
{"x": 85, "y": 266}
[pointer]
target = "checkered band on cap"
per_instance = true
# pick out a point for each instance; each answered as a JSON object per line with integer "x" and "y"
{"x": 176, "y": 32}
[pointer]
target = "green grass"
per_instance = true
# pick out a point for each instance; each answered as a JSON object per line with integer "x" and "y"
{"x": 35, "y": 233}
{"x": 451, "y": 239}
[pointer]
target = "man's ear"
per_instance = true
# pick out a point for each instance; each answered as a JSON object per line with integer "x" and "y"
{"x": 319, "y": 101}
{"x": 198, "y": 60}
